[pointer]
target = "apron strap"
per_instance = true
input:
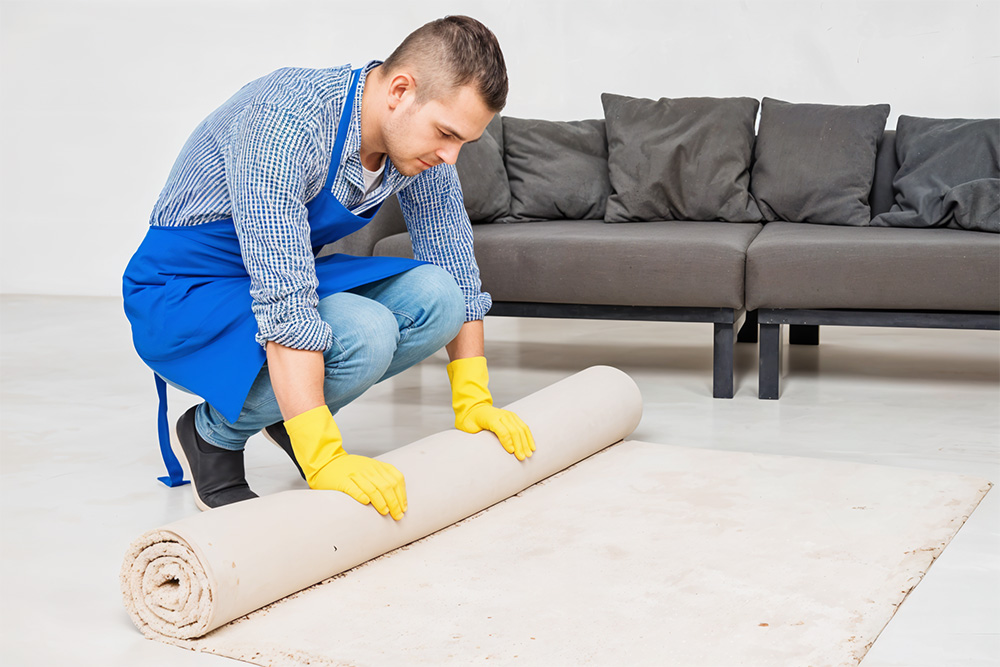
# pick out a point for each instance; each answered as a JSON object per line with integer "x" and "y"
{"x": 175, "y": 474}
{"x": 343, "y": 128}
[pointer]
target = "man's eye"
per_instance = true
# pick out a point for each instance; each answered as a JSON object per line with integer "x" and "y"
{"x": 444, "y": 135}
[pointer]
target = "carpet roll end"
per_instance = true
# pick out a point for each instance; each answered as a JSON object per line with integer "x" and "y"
{"x": 166, "y": 589}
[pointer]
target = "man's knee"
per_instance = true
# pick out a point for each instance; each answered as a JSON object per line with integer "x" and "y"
{"x": 363, "y": 330}
{"x": 440, "y": 295}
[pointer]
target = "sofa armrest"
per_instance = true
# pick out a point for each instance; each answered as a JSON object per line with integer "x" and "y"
{"x": 387, "y": 222}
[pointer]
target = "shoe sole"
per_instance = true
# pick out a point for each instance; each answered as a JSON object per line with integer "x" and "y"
{"x": 175, "y": 445}
{"x": 272, "y": 440}
{"x": 278, "y": 445}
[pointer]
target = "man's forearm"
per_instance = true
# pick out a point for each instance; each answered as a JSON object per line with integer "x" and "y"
{"x": 296, "y": 377}
{"x": 468, "y": 342}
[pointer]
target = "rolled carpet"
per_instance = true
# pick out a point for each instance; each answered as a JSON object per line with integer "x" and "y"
{"x": 192, "y": 576}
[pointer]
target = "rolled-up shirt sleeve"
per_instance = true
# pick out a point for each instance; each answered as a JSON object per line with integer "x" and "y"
{"x": 266, "y": 161}
{"x": 441, "y": 233}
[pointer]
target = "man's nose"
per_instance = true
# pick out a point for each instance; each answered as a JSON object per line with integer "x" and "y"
{"x": 449, "y": 153}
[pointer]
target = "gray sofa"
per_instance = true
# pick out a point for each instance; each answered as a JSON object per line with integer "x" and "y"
{"x": 544, "y": 247}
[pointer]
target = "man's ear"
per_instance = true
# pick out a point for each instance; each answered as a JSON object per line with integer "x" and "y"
{"x": 401, "y": 85}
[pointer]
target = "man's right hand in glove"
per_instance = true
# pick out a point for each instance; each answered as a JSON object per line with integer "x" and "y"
{"x": 316, "y": 442}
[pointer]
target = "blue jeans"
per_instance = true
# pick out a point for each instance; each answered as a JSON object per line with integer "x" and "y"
{"x": 379, "y": 330}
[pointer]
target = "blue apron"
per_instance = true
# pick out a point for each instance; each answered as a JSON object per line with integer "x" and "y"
{"x": 187, "y": 296}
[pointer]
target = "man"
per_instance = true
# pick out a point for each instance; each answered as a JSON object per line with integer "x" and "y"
{"x": 228, "y": 301}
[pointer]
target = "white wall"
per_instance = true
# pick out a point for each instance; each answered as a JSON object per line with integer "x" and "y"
{"x": 97, "y": 97}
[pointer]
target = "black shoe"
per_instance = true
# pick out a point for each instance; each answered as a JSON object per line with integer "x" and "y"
{"x": 277, "y": 434}
{"x": 217, "y": 475}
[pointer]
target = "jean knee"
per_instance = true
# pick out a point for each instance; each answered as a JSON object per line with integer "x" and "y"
{"x": 365, "y": 335}
{"x": 442, "y": 297}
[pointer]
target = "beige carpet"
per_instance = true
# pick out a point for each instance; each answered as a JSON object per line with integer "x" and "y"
{"x": 640, "y": 554}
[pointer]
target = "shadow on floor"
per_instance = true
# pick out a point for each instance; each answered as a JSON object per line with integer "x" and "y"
{"x": 837, "y": 360}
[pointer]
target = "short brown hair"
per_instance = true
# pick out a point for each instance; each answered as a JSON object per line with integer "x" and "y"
{"x": 453, "y": 52}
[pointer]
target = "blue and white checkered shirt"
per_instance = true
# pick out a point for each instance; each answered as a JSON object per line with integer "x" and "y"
{"x": 262, "y": 155}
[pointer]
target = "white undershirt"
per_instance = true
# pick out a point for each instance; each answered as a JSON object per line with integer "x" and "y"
{"x": 372, "y": 178}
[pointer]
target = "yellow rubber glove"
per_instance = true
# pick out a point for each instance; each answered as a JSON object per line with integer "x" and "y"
{"x": 316, "y": 442}
{"x": 474, "y": 409}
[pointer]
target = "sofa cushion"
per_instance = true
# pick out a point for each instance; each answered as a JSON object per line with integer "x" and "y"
{"x": 681, "y": 264}
{"x": 949, "y": 174}
{"x": 796, "y": 265}
{"x": 816, "y": 162}
{"x": 558, "y": 170}
{"x": 680, "y": 159}
{"x": 483, "y": 176}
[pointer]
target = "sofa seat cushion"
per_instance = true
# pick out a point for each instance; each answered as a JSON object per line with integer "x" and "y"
{"x": 799, "y": 265}
{"x": 677, "y": 263}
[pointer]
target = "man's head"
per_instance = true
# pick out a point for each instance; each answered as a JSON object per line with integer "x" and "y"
{"x": 449, "y": 53}
{"x": 438, "y": 90}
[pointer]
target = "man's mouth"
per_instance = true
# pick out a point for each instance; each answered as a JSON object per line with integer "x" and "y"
{"x": 424, "y": 163}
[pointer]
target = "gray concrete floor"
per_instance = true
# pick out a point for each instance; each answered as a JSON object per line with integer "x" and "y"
{"x": 79, "y": 457}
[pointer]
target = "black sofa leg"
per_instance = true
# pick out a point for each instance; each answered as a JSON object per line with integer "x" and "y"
{"x": 722, "y": 364}
{"x": 748, "y": 332}
{"x": 769, "y": 373}
{"x": 803, "y": 334}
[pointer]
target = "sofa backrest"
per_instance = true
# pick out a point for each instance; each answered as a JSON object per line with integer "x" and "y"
{"x": 492, "y": 160}
{"x": 886, "y": 166}
{"x": 389, "y": 219}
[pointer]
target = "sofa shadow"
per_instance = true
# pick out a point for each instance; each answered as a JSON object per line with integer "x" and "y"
{"x": 828, "y": 360}
{"x": 573, "y": 356}
{"x": 845, "y": 361}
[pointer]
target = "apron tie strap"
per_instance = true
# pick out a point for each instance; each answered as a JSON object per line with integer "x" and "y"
{"x": 175, "y": 474}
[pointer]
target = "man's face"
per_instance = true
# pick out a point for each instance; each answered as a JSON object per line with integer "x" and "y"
{"x": 421, "y": 136}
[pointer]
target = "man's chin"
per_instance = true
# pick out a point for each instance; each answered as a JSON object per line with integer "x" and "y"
{"x": 412, "y": 168}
